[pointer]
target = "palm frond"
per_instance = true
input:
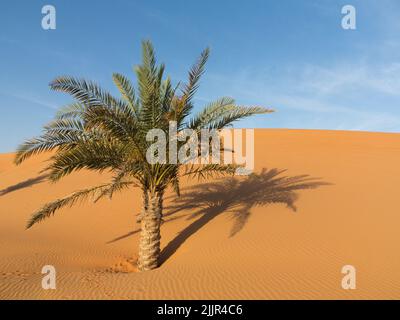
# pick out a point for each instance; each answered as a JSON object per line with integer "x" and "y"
{"x": 120, "y": 122}
{"x": 50, "y": 208}
{"x": 175, "y": 182}
{"x": 210, "y": 170}
{"x": 233, "y": 114}
{"x": 211, "y": 112}
{"x": 148, "y": 56}
{"x": 86, "y": 92}
{"x": 71, "y": 111}
{"x": 57, "y": 134}
{"x": 184, "y": 105}
{"x": 149, "y": 78}
{"x": 95, "y": 155}
{"x": 119, "y": 182}
{"x": 195, "y": 74}
{"x": 125, "y": 86}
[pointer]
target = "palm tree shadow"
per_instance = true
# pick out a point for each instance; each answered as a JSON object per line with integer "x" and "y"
{"x": 236, "y": 196}
{"x": 131, "y": 233}
{"x": 24, "y": 184}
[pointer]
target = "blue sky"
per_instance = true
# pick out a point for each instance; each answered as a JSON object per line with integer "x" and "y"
{"x": 291, "y": 55}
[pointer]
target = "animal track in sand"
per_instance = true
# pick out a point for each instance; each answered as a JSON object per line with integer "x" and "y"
{"x": 124, "y": 265}
{"x": 17, "y": 273}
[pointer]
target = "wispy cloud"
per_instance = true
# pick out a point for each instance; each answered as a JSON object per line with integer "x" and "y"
{"x": 338, "y": 79}
{"x": 340, "y": 96}
{"x": 31, "y": 100}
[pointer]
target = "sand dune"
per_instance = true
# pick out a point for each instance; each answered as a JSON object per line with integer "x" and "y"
{"x": 321, "y": 200}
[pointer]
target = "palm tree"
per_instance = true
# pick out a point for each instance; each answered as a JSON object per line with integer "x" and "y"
{"x": 103, "y": 133}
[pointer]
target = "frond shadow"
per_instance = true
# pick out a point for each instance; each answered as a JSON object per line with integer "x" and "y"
{"x": 235, "y": 196}
{"x": 24, "y": 184}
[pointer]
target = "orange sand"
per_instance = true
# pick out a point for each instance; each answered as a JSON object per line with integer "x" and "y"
{"x": 351, "y": 216}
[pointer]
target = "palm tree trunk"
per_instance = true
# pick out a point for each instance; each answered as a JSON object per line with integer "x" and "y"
{"x": 145, "y": 205}
{"x": 150, "y": 236}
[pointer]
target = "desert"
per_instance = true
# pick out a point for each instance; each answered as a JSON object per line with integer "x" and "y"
{"x": 319, "y": 200}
